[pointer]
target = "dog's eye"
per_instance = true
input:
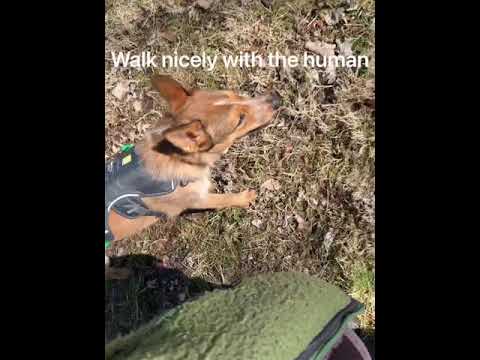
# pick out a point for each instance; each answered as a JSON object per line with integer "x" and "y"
{"x": 242, "y": 119}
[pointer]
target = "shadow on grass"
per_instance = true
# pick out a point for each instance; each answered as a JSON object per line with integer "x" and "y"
{"x": 150, "y": 291}
{"x": 153, "y": 289}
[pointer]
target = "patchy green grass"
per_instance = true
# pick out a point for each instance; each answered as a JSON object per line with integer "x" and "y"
{"x": 319, "y": 152}
{"x": 363, "y": 289}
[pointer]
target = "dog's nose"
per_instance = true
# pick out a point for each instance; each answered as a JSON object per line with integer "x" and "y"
{"x": 276, "y": 100}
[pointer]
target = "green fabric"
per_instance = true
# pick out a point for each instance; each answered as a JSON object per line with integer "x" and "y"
{"x": 270, "y": 316}
{"x": 321, "y": 354}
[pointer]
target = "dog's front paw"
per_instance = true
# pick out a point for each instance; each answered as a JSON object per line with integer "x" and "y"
{"x": 247, "y": 197}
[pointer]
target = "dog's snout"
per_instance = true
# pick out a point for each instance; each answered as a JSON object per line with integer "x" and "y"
{"x": 276, "y": 100}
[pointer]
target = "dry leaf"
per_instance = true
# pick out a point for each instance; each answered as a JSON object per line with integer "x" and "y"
{"x": 204, "y": 4}
{"x": 137, "y": 106}
{"x": 257, "y": 223}
{"x": 121, "y": 90}
{"x": 321, "y": 48}
{"x": 167, "y": 35}
{"x": 345, "y": 48}
{"x": 300, "y": 221}
{"x": 328, "y": 239}
{"x": 271, "y": 185}
{"x": 333, "y": 16}
{"x": 326, "y": 50}
{"x": 312, "y": 76}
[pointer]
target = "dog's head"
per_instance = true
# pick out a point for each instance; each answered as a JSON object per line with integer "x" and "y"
{"x": 203, "y": 121}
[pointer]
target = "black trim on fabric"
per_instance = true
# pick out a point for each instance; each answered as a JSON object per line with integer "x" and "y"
{"x": 329, "y": 330}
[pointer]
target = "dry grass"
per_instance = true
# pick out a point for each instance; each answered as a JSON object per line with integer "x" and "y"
{"x": 320, "y": 149}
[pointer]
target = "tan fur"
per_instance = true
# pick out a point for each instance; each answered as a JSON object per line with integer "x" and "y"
{"x": 202, "y": 125}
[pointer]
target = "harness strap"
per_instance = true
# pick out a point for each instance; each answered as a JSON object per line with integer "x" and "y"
{"x": 139, "y": 208}
{"x": 126, "y": 182}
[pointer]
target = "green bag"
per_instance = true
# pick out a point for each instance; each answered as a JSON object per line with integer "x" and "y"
{"x": 281, "y": 316}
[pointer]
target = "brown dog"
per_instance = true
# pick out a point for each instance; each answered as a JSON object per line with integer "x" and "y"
{"x": 184, "y": 145}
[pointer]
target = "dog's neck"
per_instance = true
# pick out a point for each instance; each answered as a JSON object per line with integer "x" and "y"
{"x": 164, "y": 162}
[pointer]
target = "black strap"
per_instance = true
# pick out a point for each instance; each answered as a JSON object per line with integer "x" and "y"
{"x": 138, "y": 208}
{"x": 127, "y": 182}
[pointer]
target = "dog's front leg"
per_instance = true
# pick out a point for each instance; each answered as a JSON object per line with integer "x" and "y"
{"x": 221, "y": 201}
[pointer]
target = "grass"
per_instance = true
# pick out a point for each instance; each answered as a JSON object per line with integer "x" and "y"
{"x": 363, "y": 289}
{"x": 320, "y": 149}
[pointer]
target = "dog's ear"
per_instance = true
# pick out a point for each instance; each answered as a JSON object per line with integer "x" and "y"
{"x": 189, "y": 138}
{"x": 170, "y": 90}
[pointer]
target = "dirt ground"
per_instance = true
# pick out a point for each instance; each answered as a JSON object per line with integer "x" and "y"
{"x": 313, "y": 168}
